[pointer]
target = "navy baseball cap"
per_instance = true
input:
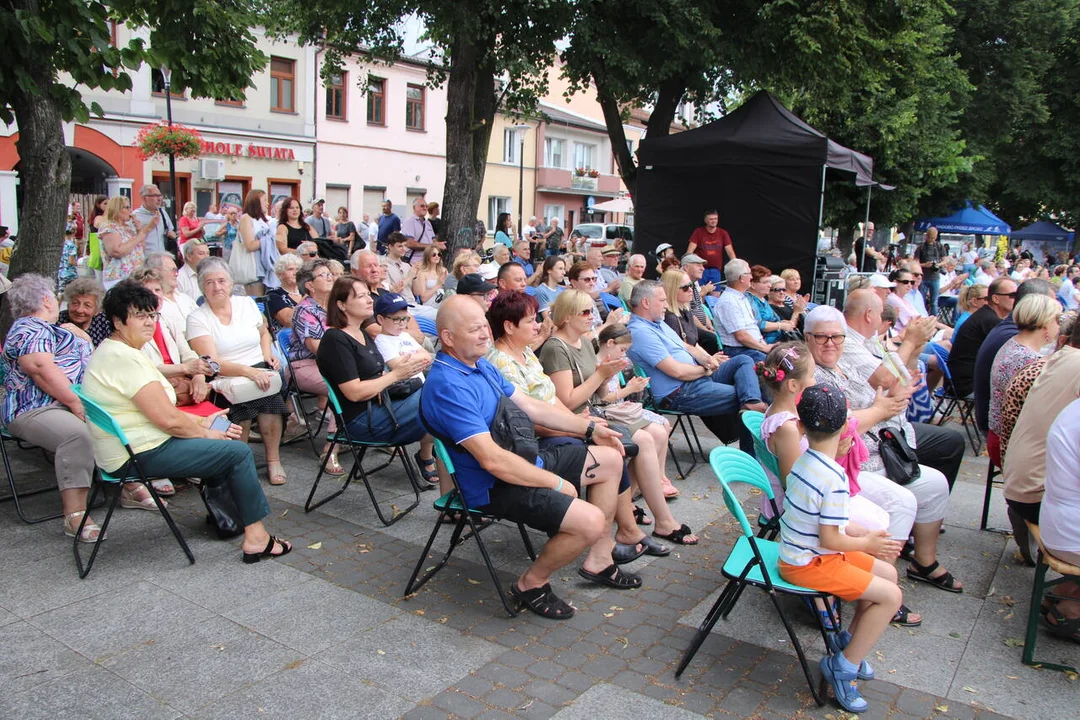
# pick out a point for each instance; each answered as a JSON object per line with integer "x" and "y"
{"x": 823, "y": 408}
{"x": 389, "y": 303}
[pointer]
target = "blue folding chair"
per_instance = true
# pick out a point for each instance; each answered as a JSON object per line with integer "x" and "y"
{"x": 133, "y": 472}
{"x": 427, "y": 326}
{"x": 454, "y": 502}
{"x": 612, "y": 302}
{"x": 359, "y": 448}
{"x": 681, "y": 420}
{"x": 949, "y": 400}
{"x": 753, "y": 561}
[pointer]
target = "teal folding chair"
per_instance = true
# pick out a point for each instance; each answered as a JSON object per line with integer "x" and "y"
{"x": 454, "y": 502}
{"x": 753, "y": 561}
{"x": 359, "y": 448}
{"x": 131, "y": 472}
{"x": 769, "y": 528}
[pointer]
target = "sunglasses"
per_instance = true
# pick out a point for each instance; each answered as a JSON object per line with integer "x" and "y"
{"x": 1009, "y": 295}
{"x": 314, "y": 254}
{"x": 587, "y": 279}
{"x": 587, "y": 312}
{"x": 687, "y": 286}
{"x": 905, "y": 282}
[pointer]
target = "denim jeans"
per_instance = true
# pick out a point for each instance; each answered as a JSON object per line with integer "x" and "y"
{"x": 733, "y": 384}
{"x": 376, "y": 425}
{"x": 217, "y": 462}
{"x": 733, "y": 351}
{"x": 929, "y": 290}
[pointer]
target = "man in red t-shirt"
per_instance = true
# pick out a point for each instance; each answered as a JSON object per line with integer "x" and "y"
{"x": 712, "y": 243}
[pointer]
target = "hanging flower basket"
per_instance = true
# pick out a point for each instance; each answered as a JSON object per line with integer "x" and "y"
{"x": 160, "y": 139}
{"x": 593, "y": 173}
{"x": 580, "y": 172}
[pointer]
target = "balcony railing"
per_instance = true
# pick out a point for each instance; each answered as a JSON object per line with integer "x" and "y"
{"x": 583, "y": 182}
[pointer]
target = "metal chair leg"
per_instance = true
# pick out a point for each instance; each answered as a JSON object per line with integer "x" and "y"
{"x": 84, "y": 571}
{"x": 814, "y": 689}
{"x": 15, "y": 494}
{"x": 704, "y": 629}
{"x": 992, "y": 471}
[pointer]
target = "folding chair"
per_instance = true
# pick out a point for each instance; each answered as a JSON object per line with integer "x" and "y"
{"x": 427, "y": 326}
{"x": 715, "y": 325}
{"x": 753, "y": 561}
{"x": 681, "y": 420}
{"x": 453, "y": 501}
{"x": 298, "y": 396}
{"x": 6, "y": 437}
{"x": 948, "y": 400}
{"x": 359, "y": 448}
{"x": 1039, "y": 589}
{"x": 993, "y": 479}
{"x": 612, "y": 302}
{"x": 134, "y": 473}
{"x": 768, "y": 528}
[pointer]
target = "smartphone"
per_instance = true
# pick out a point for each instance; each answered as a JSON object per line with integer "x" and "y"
{"x": 221, "y": 423}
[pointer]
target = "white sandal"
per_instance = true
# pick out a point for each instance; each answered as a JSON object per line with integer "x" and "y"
{"x": 90, "y": 532}
{"x": 128, "y": 500}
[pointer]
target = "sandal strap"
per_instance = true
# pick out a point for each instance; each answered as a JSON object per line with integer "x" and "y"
{"x": 925, "y": 570}
{"x": 543, "y": 601}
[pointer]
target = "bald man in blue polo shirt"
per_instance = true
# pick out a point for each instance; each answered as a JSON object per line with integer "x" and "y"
{"x": 459, "y": 402}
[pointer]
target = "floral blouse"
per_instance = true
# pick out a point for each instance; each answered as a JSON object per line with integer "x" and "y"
{"x": 116, "y": 269}
{"x": 1010, "y": 360}
{"x": 529, "y": 378}
{"x": 309, "y": 321}
{"x": 30, "y": 335}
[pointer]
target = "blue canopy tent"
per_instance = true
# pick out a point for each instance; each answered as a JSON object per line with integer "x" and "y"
{"x": 969, "y": 220}
{"x": 1045, "y": 237}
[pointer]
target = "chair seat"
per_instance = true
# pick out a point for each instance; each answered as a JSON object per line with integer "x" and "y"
{"x": 742, "y": 554}
{"x": 342, "y": 439}
{"x": 452, "y": 501}
{"x": 1059, "y": 566}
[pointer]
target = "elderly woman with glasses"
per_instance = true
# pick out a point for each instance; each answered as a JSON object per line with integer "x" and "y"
{"x": 83, "y": 297}
{"x": 122, "y": 244}
{"x": 232, "y": 332}
{"x": 281, "y": 302}
{"x": 166, "y": 441}
{"x": 921, "y": 505}
{"x": 43, "y": 361}
{"x": 309, "y": 325}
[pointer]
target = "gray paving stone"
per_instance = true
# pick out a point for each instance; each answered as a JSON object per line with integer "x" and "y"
{"x": 32, "y": 658}
{"x": 604, "y": 700}
{"x": 410, "y": 656}
{"x": 459, "y": 705}
{"x": 308, "y": 689}
{"x": 52, "y": 582}
{"x": 312, "y": 616}
{"x": 202, "y": 663}
{"x": 227, "y": 583}
{"x": 7, "y": 618}
{"x": 112, "y": 698}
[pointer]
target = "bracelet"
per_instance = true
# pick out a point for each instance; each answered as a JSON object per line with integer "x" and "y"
{"x": 558, "y": 488}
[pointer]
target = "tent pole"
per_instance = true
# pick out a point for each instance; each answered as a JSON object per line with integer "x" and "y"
{"x": 821, "y": 205}
{"x": 866, "y": 222}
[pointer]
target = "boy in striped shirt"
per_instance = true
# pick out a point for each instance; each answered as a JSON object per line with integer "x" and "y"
{"x": 820, "y": 550}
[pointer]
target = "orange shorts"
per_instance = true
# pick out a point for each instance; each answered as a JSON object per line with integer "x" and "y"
{"x": 845, "y": 575}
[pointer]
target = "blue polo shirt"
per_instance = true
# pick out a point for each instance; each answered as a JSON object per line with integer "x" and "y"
{"x": 652, "y": 344}
{"x": 529, "y": 270}
{"x": 459, "y": 402}
{"x": 388, "y": 224}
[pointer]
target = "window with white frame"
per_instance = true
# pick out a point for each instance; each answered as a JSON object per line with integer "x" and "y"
{"x": 584, "y": 155}
{"x": 555, "y": 212}
{"x": 511, "y": 146}
{"x": 497, "y": 205}
{"x": 554, "y": 153}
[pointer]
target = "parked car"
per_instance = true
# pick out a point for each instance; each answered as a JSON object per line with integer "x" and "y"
{"x": 601, "y": 234}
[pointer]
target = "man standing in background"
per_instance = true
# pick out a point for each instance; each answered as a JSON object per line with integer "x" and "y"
{"x": 156, "y": 239}
{"x": 388, "y": 223}
{"x": 930, "y": 255}
{"x": 713, "y": 243}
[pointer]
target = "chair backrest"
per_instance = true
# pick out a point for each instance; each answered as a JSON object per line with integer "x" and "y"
{"x": 427, "y": 326}
{"x": 712, "y": 321}
{"x": 441, "y": 454}
{"x": 611, "y": 301}
{"x": 284, "y": 337}
{"x": 101, "y": 418}
{"x": 331, "y": 395}
{"x": 752, "y": 420}
{"x": 942, "y": 356}
{"x": 730, "y": 466}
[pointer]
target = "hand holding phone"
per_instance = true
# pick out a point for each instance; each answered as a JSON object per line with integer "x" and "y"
{"x": 221, "y": 424}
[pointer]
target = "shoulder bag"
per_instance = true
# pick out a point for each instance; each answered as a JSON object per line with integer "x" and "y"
{"x": 901, "y": 463}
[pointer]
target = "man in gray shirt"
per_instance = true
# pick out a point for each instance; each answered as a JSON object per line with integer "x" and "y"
{"x": 151, "y": 199}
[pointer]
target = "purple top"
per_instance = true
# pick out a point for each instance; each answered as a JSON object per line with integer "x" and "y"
{"x": 30, "y": 335}
{"x": 309, "y": 321}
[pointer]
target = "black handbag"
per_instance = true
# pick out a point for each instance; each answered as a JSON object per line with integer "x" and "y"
{"x": 901, "y": 463}
{"x": 221, "y": 511}
{"x": 404, "y": 388}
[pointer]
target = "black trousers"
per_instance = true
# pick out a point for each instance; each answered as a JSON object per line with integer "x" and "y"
{"x": 941, "y": 448}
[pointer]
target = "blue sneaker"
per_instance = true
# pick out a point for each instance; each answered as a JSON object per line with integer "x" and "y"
{"x": 843, "y": 685}
{"x": 837, "y": 643}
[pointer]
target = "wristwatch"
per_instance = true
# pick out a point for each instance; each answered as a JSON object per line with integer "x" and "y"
{"x": 590, "y": 430}
{"x": 215, "y": 368}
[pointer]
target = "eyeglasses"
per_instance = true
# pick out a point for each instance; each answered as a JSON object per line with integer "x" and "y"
{"x": 905, "y": 282}
{"x": 978, "y": 297}
{"x": 687, "y": 286}
{"x": 826, "y": 339}
{"x": 587, "y": 279}
{"x": 322, "y": 276}
{"x": 313, "y": 254}
{"x": 1009, "y": 295}
{"x": 144, "y": 316}
{"x": 400, "y": 320}
{"x": 153, "y": 195}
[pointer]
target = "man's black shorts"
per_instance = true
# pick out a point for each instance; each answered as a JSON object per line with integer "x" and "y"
{"x": 542, "y": 509}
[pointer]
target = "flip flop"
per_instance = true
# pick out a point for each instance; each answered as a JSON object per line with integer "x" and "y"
{"x": 612, "y": 576}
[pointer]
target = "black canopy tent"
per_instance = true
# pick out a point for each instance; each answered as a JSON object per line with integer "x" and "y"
{"x": 761, "y": 167}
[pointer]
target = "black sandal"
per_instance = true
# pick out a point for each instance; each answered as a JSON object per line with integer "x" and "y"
{"x": 543, "y": 601}
{"x": 640, "y": 517}
{"x": 652, "y": 547}
{"x": 921, "y": 573}
{"x": 612, "y": 576}
{"x": 427, "y": 469}
{"x": 677, "y": 536}
{"x": 901, "y": 618}
{"x": 908, "y": 551}
{"x": 627, "y": 553}
{"x": 286, "y": 548}
{"x": 1063, "y": 627}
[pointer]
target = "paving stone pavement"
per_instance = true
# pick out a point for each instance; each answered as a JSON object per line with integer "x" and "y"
{"x": 325, "y": 632}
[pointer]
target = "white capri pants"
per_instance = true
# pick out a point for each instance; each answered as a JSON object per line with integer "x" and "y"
{"x": 924, "y": 500}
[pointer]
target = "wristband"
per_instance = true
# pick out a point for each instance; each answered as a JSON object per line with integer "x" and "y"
{"x": 558, "y": 488}
{"x": 590, "y": 430}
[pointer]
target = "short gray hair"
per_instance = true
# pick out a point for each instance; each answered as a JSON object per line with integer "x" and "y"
{"x": 27, "y": 294}
{"x": 287, "y": 261}
{"x": 307, "y": 273}
{"x": 84, "y": 286}
{"x": 636, "y": 259}
{"x": 735, "y": 269}
{"x": 823, "y": 314}
{"x": 189, "y": 247}
{"x": 642, "y": 289}
{"x": 157, "y": 260}
{"x": 147, "y": 189}
{"x": 212, "y": 264}
{"x": 306, "y": 247}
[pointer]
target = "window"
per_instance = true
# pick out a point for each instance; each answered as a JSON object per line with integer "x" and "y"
{"x": 335, "y": 96}
{"x": 376, "y": 101}
{"x": 157, "y": 82}
{"x": 282, "y": 84}
{"x": 554, "y": 153}
{"x": 554, "y": 212}
{"x": 414, "y": 107}
{"x": 229, "y": 103}
{"x": 584, "y": 155}
{"x": 496, "y": 205}
{"x": 510, "y": 146}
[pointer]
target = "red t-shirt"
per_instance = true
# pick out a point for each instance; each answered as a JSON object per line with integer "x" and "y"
{"x": 710, "y": 246}
{"x": 187, "y": 223}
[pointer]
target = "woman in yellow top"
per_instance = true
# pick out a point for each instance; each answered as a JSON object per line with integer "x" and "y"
{"x": 166, "y": 441}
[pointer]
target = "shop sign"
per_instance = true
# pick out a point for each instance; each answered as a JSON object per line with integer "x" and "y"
{"x": 262, "y": 152}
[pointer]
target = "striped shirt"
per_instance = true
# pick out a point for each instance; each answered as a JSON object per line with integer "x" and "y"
{"x": 817, "y": 494}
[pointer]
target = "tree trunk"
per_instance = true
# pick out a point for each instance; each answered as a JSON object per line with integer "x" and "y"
{"x": 471, "y": 103}
{"x": 45, "y": 176}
